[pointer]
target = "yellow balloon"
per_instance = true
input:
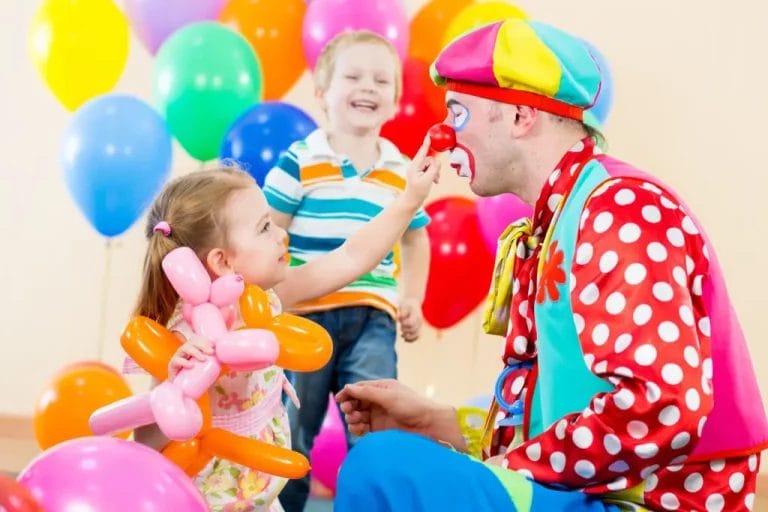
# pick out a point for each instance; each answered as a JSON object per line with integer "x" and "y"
{"x": 475, "y": 15}
{"x": 79, "y": 47}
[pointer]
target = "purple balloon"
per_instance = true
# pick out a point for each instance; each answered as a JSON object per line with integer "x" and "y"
{"x": 325, "y": 19}
{"x": 330, "y": 447}
{"x": 105, "y": 473}
{"x": 496, "y": 213}
{"x": 155, "y": 20}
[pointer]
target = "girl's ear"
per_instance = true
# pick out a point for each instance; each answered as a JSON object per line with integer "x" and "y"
{"x": 217, "y": 262}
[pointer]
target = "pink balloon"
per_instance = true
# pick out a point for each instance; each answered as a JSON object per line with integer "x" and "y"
{"x": 104, "y": 473}
{"x": 325, "y": 19}
{"x": 155, "y": 20}
{"x": 330, "y": 448}
{"x": 496, "y": 213}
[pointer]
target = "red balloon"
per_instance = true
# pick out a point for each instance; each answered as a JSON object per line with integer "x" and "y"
{"x": 414, "y": 115}
{"x": 14, "y": 497}
{"x": 461, "y": 267}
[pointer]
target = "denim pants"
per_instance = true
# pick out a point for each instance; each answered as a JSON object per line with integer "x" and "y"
{"x": 363, "y": 349}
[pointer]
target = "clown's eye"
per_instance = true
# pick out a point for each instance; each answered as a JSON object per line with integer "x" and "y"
{"x": 459, "y": 116}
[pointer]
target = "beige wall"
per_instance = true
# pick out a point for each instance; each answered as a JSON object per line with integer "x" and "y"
{"x": 690, "y": 107}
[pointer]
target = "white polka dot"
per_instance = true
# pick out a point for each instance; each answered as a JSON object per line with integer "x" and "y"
{"x": 681, "y": 440}
{"x": 650, "y": 483}
{"x": 520, "y": 344}
{"x": 706, "y": 385}
{"x": 624, "y": 197}
{"x": 612, "y": 444}
{"x": 600, "y": 334}
{"x": 624, "y": 399}
{"x": 717, "y": 465}
{"x": 523, "y": 308}
{"x": 669, "y": 332}
{"x": 623, "y": 371}
{"x": 704, "y": 326}
{"x": 666, "y": 203}
{"x": 642, "y": 314}
{"x": 533, "y": 452}
{"x": 637, "y": 429}
{"x": 645, "y": 355}
{"x": 686, "y": 315}
{"x": 689, "y": 227}
{"x": 526, "y": 473}
{"x": 696, "y": 286}
{"x": 669, "y": 415}
{"x": 749, "y": 500}
{"x": 584, "y": 217}
{"x": 582, "y": 437}
{"x": 598, "y": 404}
{"x": 560, "y": 429}
{"x": 706, "y": 368}
{"x": 553, "y": 201}
{"x": 700, "y": 427}
{"x": 694, "y": 482}
{"x": 692, "y": 399}
{"x": 629, "y": 233}
{"x": 608, "y": 261}
{"x": 603, "y": 221}
{"x": 635, "y": 273}
{"x": 571, "y": 281}
{"x": 651, "y": 214}
{"x": 669, "y": 501}
{"x": 675, "y": 237}
{"x": 517, "y": 385}
{"x": 615, "y": 303}
{"x": 646, "y": 472}
{"x": 585, "y": 469}
{"x": 578, "y": 320}
{"x": 691, "y": 356}
{"x": 584, "y": 253}
{"x": 619, "y": 466}
{"x": 752, "y": 462}
{"x": 715, "y": 503}
{"x": 689, "y": 265}
{"x": 576, "y": 148}
{"x": 651, "y": 187}
{"x": 516, "y": 287}
{"x": 554, "y": 176}
{"x": 678, "y": 460}
{"x": 589, "y": 294}
{"x": 646, "y": 450}
{"x": 652, "y": 392}
{"x": 656, "y": 252}
{"x": 672, "y": 374}
{"x": 736, "y": 481}
{"x": 589, "y": 360}
{"x": 662, "y": 291}
{"x": 622, "y": 342}
{"x": 557, "y": 461}
{"x": 618, "y": 485}
{"x": 601, "y": 367}
{"x": 680, "y": 276}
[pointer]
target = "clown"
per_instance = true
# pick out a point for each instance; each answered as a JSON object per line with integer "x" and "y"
{"x": 622, "y": 348}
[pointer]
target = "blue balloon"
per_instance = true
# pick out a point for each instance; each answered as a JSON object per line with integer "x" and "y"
{"x": 257, "y": 138}
{"x": 604, "y": 103}
{"x": 116, "y": 154}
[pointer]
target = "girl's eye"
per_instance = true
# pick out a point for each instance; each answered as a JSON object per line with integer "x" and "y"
{"x": 351, "y": 77}
{"x": 266, "y": 227}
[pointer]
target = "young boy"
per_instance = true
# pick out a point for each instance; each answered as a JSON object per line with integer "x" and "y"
{"x": 322, "y": 190}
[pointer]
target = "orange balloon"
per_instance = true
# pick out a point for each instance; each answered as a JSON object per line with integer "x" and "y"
{"x": 304, "y": 345}
{"x": 66, "y": 404}
{"x": 273, "y": 28}
{"x": 150, "y": 344}
{"x": 428, "y": 27}
{"x": 255, "y": 308}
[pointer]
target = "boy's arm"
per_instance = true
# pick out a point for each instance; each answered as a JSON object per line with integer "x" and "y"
{"x": 415, "y": 256}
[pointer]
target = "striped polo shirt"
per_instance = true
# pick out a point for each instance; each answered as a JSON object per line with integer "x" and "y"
{"x": 329, "y": 200}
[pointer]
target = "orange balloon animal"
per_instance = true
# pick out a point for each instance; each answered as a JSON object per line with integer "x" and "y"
{"x": 304, "y": 346}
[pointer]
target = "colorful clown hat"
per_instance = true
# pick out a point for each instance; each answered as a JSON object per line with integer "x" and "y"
{"x": 523, "y": 62}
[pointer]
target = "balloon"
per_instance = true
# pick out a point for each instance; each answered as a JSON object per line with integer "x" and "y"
{"x": 475, "y": 15}
{"x": 116, "y": 154}
{"x": 428, "y": 26}
{"x": 258, "y": 137}
{"x": 172, "y": 404}
{"x": 76, "y": 391}
{"x": 414, "y": 115}
{"x": 496, "y": 213}
{"x": 14, "y": 497}
{"x": 325, "y": 19}
{"x": 273, "y": 28}
{"x": 155, "y": 20}
{"x": 101, "y": 473}
{"x": 461, "y": 265}
{"x": 604, "y": 103}
{"x": 330, "y": 448}
{"x": 206, "y": 75}
{"x": 79, "y": 47}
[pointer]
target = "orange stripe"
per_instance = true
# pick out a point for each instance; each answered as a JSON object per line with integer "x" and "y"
{"x": 315, "y": 172}
{"x": 387, "y": 178}
{"x": 344, "y": 299}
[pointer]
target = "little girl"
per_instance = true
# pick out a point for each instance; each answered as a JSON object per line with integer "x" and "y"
{"x": 223, "y": 216}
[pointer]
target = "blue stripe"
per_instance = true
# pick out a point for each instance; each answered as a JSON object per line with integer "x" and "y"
{"x": 340, "y": 206}
{"x": 288, "y": 163}
{"x": 419, "y": 221}
{"x": 313, "y": 244}
{"x": 279, "y": 203}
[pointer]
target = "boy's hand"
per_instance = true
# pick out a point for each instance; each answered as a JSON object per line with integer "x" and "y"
{"x": 411, "y": 319}
{"x": 197, "y": 347}
{"x": 420, "y": 174}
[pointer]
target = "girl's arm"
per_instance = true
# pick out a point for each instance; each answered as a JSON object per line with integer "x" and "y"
{"x": 365, "y": 249}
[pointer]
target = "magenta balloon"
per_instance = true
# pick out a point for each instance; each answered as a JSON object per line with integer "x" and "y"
{"x": 330, "y": 448}
{"x": 104, "y": 473}
{"x": 496, "y": 213}
{"x": 325, "y": 19}
{"x": 154, "y": 20}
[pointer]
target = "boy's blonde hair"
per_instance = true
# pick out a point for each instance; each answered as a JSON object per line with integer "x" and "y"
{"x": 193, "y": 206}
{"x": 326, "y": 61}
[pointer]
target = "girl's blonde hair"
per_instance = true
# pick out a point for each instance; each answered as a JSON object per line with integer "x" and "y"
{"x": 326, "y": 61}
{"x": 193, "y": 206}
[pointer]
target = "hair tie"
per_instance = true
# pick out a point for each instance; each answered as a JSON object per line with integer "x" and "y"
{"x": 162, "y": 227}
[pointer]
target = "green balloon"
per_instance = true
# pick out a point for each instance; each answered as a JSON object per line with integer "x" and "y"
{"x": 206, "y": 75}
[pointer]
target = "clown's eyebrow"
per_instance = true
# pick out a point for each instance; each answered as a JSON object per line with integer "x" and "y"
{"x": 453, "y": 102}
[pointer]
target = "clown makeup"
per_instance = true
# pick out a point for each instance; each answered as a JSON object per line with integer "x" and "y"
{"x": 461, "y": 158}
